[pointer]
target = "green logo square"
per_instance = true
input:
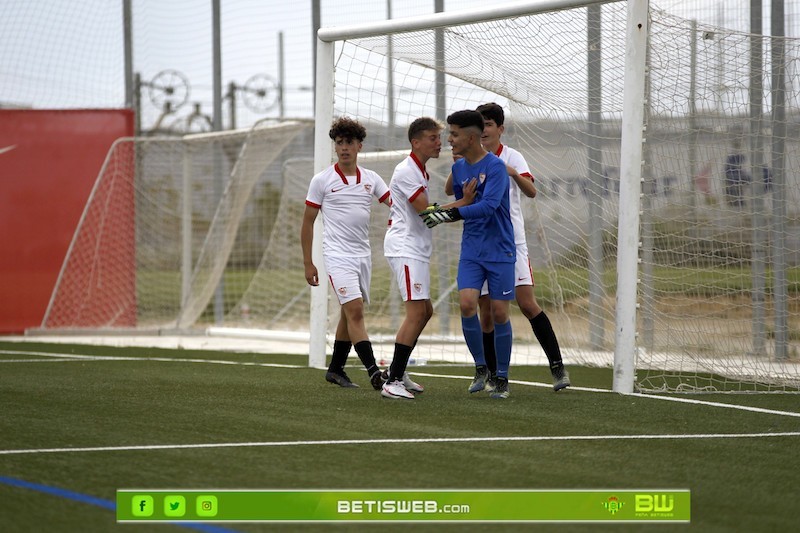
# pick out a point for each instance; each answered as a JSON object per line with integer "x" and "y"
{"x": 142, "y": 505}
{"x": 206, "y": 505}
{"x": 174, "y": 506}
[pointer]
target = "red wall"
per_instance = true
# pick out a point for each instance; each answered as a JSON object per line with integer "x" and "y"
{"x": 49, "y": 161}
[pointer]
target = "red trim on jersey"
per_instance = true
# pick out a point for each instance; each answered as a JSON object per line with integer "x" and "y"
{"x": 408, "y": 282}
{"x": 384, "y": 197}
{"x": 524, "y": 175}
{"x": 421, "y": 166}
{"x": 312, "y": 204}
{"x": 414, "y": 196}
{"x": 390, "y": 222}
{"x": 341, "y": 174}
{"x": 331, "y": 280}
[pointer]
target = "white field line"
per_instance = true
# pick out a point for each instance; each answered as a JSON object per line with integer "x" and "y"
{"x": 400, "y": 441}
{"x": 62, "y": 356}
{"x": 636, "y": 395}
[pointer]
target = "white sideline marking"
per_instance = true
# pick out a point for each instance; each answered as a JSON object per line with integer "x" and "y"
{"x": 56, "y": 357}
{"x": 635, "y": 395}
{"x": 63, "y": 357}
{"x": 400, "y": 441}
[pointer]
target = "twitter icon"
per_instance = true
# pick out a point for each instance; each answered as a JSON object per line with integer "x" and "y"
{"x": 174, "y": 506}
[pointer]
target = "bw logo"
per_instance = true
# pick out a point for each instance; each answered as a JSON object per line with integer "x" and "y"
{"x": 659, "y": 503}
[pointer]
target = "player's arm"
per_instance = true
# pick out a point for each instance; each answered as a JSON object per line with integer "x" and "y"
{"x": 307, "y": 241}
{"x": 524, "y": 181}
{"x": 420, "y": 202}
{"x": 469, "y": 190}
{"x": 448, "y": 183}
{"x": 435, "y": 215}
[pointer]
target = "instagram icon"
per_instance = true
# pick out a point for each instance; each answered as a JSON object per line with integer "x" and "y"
{"x": 206, "y": 505}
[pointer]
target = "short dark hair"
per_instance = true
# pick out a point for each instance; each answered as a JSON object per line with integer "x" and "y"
{"x": 348, "y": 129}
{"x": 465, "y": 119}
{"x": 421, "y": 125}
{"x": 492, "y": 111}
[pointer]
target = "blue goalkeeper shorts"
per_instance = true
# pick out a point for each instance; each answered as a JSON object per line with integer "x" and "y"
{"x": 500, "y": 276}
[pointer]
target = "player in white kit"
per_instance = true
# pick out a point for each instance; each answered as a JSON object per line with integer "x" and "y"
{"x": 344, "y": 193}
{"x": 407, "y": 246}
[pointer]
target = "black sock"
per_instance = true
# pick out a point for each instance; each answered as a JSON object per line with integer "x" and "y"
{"x": 364, "y": 351}
{"x": 402, "y": 353}
{"x": 488, "y": 351}
{"x": 341, "y": 349}
{"x": 547, "y": 338}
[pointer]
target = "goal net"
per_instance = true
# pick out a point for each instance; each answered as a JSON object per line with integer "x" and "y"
{"x": 175, "y": 229}
{"x": 717, "y": 305}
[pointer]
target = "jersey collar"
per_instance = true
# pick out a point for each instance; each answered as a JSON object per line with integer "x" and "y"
{"x": 421, "y": 166}
{"x": 341, "y": 174}
{"x": 499, "y": 150}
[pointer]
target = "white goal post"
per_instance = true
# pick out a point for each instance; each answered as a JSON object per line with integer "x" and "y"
{"x": 646, "y": 237}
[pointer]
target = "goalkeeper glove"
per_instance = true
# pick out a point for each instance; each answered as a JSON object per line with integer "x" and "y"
{"x": 429, "y": 209}
{"x": 439, "y": 215}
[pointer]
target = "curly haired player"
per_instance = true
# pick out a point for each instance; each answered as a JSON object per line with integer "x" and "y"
{"x": 344, "y": 193}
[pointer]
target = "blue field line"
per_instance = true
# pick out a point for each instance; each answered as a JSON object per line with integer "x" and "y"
{"x": 99, "y": 502}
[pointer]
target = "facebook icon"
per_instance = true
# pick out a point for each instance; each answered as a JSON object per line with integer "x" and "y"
{"x": 142, "y": 505}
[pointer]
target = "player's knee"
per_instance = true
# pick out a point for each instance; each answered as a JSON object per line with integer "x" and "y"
{"x": 468, "y": 308}
{"x": 500, "y": 317}
{"x": 530, "y": 309}
{"x": 354, "y": 312}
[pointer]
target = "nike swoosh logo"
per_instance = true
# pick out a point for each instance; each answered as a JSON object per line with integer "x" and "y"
{"x": 506, "y": 292}
{"x": 7, "y": 148}
{"x": 521, "y": 279}
{"x": 337, "y": 190}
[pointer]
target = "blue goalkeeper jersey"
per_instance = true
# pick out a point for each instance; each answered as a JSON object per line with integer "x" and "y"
{"x": 488, "y": 232}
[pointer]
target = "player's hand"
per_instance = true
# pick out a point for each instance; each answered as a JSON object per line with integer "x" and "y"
{"x": 312, "y": 276}
{"x": 470, "y": 191}
{"x": 439, "y": 215}
{"x": 429, "y": 209}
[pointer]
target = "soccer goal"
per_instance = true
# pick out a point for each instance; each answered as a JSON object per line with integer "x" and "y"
{"x": 664, "y": 236}
{"x": 175, "y": 229}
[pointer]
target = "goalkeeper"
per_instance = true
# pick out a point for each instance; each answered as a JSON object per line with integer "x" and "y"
{"x": 488, "y": 252}
{"x": 521, "y": 183}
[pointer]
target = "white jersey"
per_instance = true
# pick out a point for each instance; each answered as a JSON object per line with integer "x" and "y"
{"x": 515, "y": 160}
{"x": 408, "y": 236}
{"x": 345, "y": 202}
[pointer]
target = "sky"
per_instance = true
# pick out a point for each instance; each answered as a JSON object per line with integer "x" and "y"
{"x": 69, "y": 53}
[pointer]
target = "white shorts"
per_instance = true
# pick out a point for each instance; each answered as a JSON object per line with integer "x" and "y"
{"x": 523, "y": 275}
{"x": 350, "y": 277}
{"x": 413, "y": 277}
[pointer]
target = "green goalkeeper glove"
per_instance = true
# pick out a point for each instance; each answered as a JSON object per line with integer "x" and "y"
{"x": 429, "y": 209}
{"x": 439, "y": 215}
